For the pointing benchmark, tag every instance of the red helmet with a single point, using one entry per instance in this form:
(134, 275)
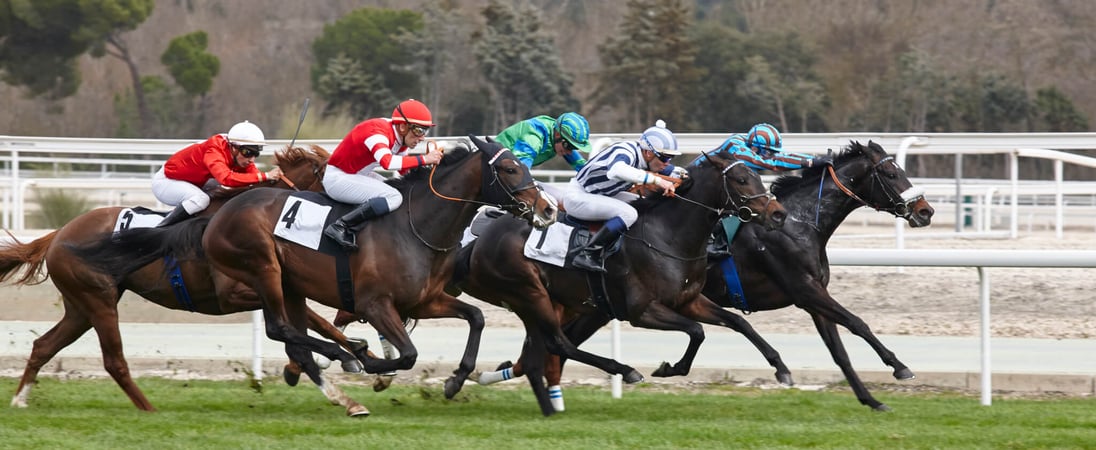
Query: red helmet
(413, 111)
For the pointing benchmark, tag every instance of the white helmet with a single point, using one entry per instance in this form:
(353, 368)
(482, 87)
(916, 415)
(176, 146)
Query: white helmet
(246, 133)
(659, 139)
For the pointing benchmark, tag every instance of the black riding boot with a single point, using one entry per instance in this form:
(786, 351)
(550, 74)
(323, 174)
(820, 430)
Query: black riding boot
(176, 215)
(342, 230)
(592, 256)
(718, 246)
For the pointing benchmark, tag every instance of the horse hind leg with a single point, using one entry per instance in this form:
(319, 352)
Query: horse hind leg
(338, 397)
(63, 334)
(114, 360)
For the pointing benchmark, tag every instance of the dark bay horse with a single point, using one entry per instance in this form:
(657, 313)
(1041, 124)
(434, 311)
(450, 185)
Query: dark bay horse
(789, 266)
(400, 271)
(654, 280)
(90, 297)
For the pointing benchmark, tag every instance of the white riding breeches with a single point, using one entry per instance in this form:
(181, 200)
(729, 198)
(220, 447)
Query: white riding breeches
(177, 192)
(587, 206)
(358, 188)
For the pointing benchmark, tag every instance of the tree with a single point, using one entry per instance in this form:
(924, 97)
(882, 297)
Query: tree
(650, 68)
(40, 41)
(193, 69)
(521, 64)
(365, 41)
(1056, 112)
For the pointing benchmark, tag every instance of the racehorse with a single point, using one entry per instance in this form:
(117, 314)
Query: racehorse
(653, 281)
(399, 272)
(789, 266)
(90, 297)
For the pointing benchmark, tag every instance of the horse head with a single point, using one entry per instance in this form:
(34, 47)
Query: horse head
(869, 175)
(743, 193)
(302, 169)
(508, 184)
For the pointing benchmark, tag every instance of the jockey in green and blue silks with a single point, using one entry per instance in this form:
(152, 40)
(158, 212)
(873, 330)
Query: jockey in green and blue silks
(535, 141)
(762, 149)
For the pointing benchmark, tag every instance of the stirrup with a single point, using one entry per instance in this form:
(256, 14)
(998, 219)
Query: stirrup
(586, 262)
(342, 236)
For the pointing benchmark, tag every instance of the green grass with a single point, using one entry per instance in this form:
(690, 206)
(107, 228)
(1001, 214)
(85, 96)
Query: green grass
(89, 414)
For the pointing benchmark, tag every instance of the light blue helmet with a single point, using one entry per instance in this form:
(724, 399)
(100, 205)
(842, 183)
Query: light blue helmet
(575, 129)
(659, 139)
(765, 137)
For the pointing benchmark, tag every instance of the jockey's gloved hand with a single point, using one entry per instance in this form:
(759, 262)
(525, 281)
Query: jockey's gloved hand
(821, 161)
(679, 172)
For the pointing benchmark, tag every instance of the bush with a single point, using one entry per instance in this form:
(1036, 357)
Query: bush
(59, 206)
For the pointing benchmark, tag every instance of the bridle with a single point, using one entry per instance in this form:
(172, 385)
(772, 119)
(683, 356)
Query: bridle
(490, 178)
(737, 205)
(317, 172)
(901, 203)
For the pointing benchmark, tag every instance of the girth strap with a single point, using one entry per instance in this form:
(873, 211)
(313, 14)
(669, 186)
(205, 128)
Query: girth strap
(344, 281)
(178, 286)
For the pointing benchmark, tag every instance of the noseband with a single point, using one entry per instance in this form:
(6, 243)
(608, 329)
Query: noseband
(899, 206)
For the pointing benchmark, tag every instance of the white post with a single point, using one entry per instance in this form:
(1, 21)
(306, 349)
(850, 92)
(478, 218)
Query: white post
(1014, 175)
(257, 335)
(987, 372)
(1058, 203)
(617, 379)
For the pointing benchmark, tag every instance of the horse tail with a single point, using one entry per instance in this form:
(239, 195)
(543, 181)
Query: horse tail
(122, 253)
(31, 258)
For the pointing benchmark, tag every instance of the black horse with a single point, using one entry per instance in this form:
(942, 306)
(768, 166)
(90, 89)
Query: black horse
(400, 271)
(789, 266)
(653, 281)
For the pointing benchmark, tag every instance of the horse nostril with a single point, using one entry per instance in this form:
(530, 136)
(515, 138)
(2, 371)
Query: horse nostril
(779, 216)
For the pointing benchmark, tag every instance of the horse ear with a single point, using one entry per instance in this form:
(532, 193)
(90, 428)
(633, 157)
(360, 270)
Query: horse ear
(479, 143)
(489, 147)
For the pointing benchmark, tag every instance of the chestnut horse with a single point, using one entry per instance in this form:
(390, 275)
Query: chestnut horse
(90, 297)
(400, 271)
(654, 280)
(789, 267)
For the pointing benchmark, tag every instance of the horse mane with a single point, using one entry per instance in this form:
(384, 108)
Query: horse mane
(420, 173)
(787, 183)
(290, 157)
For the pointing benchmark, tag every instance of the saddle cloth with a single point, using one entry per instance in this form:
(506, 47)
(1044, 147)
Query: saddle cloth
(137, 217)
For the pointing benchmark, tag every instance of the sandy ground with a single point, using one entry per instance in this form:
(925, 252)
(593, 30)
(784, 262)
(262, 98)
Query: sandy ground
(1038, 303)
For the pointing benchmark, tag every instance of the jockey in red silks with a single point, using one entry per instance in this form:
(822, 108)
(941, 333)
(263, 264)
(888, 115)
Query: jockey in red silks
(379, 142)
(229, 159)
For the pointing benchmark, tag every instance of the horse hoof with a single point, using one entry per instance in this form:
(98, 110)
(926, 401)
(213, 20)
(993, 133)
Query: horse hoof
(665, 370)
(353, 366)
(452, 387)
(903, 374)
(357, 411)
(291, 377)
(633, 377)
(784, 379)
(504, 365)
(882, 408)
(381, 383)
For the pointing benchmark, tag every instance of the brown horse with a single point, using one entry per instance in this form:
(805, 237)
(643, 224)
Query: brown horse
(90, 297)
(789, 267)
(654, 281)
(400, 271)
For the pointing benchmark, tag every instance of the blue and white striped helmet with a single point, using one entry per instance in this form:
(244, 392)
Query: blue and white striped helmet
(659, 139)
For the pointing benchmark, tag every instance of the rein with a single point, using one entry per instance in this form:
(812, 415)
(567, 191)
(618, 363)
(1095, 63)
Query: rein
(899, 208)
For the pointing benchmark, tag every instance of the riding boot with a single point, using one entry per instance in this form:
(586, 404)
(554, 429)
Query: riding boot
(718, 247)
(343, 230)
(176, 215)
(592, 255)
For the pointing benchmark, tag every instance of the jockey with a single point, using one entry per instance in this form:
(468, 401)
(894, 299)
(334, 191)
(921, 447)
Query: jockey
(379, 142)
(227, 158)
(535, 141)
(762, 149)
(600, 190)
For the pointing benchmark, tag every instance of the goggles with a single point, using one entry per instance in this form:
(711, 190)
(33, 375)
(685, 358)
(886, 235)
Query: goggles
(250, 151)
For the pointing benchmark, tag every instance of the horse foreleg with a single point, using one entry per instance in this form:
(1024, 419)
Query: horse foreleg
(659, 317)
(835, 313)
(533, 352)
(828, 331)
(64, 333)
(705, 311)
(441, 306)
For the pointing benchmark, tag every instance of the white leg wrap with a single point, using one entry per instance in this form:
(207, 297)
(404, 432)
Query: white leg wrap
(496, 376)
(555, 394)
